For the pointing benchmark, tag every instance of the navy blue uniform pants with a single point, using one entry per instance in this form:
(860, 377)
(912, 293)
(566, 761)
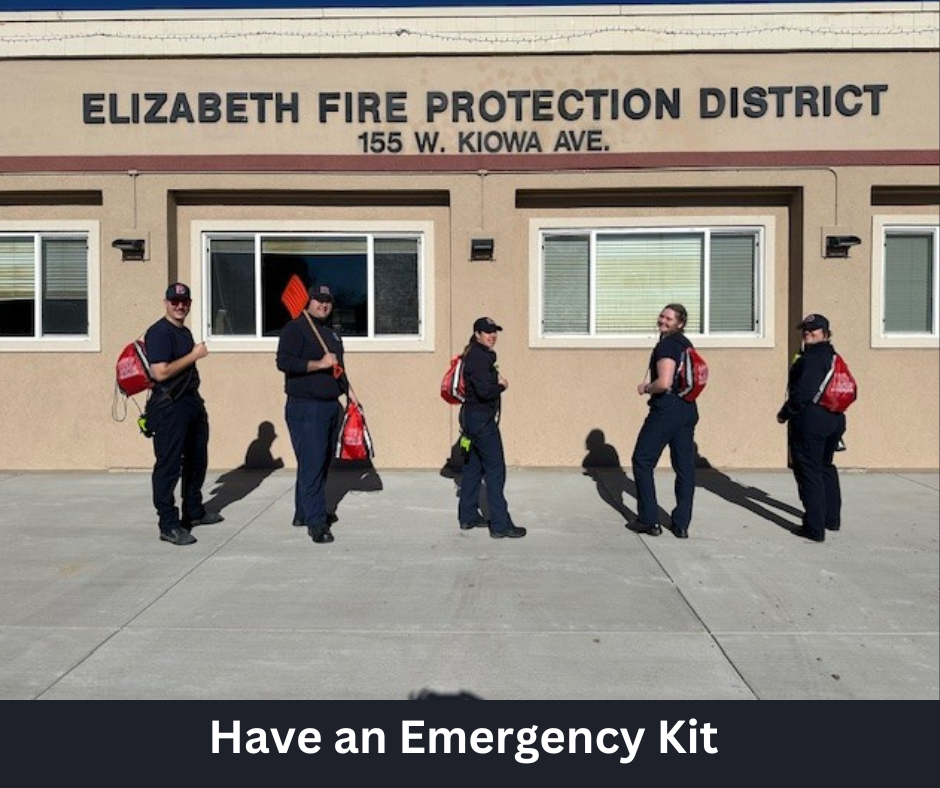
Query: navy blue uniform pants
(814, 434)
(313, 425)
(487, 464)
(671, 422)
(181, 448)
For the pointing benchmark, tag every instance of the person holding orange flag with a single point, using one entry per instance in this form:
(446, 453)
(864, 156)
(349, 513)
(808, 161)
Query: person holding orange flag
(310, 354)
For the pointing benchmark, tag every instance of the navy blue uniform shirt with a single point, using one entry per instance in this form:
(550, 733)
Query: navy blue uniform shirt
(296, 347)
(670, 346)
(165, 343)
(481, 377)
(806, 376)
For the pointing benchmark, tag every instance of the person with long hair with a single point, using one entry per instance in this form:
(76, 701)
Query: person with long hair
(814, 433)
(670, 422)
(479, 421)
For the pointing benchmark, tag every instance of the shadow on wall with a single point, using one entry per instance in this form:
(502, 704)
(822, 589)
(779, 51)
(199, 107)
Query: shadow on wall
(602, 464)
(259, 457)
(240, 482)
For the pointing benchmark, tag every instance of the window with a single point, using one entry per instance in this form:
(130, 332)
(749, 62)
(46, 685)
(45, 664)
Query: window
(45, 289)
(906, 314)
(910, 282)
(613, 282)
(377, 278)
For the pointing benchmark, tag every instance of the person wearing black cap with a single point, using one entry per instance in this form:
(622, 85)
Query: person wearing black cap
(310, 354)
(479, 421)
(813, 433)
(176, 415)
(670, 422)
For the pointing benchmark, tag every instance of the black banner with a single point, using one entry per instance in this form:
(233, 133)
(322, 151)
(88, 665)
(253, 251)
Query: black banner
(453, 740)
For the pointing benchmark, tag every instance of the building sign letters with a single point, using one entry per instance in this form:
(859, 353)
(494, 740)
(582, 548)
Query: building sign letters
(491, 121)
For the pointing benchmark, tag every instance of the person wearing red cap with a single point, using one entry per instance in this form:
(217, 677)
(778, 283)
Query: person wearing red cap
(479, 421)
(176, 415)
(813, 433)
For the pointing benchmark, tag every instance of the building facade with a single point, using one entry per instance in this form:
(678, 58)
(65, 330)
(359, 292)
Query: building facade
(565, 171)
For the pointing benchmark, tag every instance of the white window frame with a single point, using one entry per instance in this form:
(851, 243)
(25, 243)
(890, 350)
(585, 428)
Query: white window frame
(764, 225)
(59, 343)
(202, 230)
(881, 226)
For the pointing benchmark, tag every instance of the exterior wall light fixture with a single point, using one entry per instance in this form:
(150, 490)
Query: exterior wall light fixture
(131, 248)
(839, 245)
(481, 249)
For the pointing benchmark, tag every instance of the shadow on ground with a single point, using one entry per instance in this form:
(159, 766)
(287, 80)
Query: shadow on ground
(753, 499)
(602, 465)
(240, 482)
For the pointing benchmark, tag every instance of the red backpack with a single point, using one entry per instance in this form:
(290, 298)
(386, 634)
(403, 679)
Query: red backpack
(133, 369)
(452, 385)
(692, 374)
(838, 389)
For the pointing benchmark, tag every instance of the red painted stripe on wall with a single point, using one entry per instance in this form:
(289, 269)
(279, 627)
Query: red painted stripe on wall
(470, 162)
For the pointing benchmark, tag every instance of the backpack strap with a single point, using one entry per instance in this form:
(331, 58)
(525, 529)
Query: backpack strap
(825, 381)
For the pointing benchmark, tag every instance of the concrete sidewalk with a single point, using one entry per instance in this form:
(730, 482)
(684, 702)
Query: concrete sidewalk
(95, 606)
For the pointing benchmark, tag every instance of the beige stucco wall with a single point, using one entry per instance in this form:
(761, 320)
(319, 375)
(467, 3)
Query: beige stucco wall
(556, 396)
(55, 407)
(604, 27)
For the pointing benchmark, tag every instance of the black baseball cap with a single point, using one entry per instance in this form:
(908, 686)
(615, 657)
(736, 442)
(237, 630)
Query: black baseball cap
(812, 322)
(320, 293)
(486, 324)
(178, 292)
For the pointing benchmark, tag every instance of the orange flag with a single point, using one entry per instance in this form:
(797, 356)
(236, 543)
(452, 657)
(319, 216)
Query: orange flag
(295, 296)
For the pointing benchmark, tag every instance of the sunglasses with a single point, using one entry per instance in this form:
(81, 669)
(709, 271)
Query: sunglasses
(178, 302)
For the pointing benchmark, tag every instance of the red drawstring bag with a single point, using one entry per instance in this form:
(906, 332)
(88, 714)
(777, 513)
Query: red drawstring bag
(453, 387)
(133, 369)
(354, 441)
(693, 374)
(838, 389)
